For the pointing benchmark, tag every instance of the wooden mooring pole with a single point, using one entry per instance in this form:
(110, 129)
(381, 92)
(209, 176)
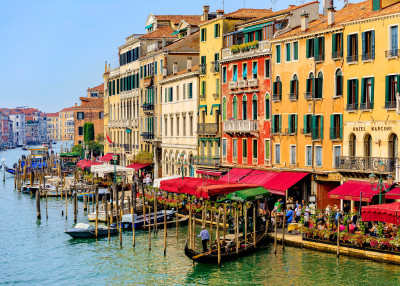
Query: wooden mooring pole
(38, 215)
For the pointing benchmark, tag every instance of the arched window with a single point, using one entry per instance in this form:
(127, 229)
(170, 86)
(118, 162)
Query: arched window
(319, 85)
(234, 107)
(367, 146)
(352, 145)
(224, 108)
(393, 146)
(267, 106)
(338, 83)
(244, 107)
(294, 88)
(310, 86)
(255, 106)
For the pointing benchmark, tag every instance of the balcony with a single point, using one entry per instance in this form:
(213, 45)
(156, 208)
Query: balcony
(335, 133)
(206, 161)
(215, 67)
(337, 55)
(319, 58)
(365, 164)
(309, 95)
(133, 123)
(148, 107)
(368, 56)
(233, 84)
(390, 105)
(202, 96)
(126, 147)
(366, 106)
(207, 129)
(276, 97)
(240, 126)
(237, 52)
(216, 95)
(148, 135)
(253, 82)
(352, 59)
(241, 84)
(293, 96)
(394, 53)
(202, 68)
(352, 106)
(305, 131)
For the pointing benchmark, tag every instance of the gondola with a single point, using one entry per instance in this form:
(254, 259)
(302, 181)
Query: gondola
(212, 257)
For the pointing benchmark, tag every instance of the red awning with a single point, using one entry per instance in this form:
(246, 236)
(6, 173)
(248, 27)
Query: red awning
(235, 175)
(137, 166)
(389, 213)
(393, 194)
(86, 163)
(283, 181)
(106, 158)
(222, 189)
(259, 178)
(209, 173)
(351, 190)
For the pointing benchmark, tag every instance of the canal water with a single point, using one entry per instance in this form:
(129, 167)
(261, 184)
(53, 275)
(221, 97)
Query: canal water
(37, 252)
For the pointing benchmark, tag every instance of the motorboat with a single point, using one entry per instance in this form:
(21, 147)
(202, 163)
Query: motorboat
(84, 230)
(50, 190)
(25, 147)
(139, 220)
(27, 188)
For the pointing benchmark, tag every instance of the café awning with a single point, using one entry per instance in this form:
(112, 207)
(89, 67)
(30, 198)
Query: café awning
(209, 173)
(222, 189)
(235, 175)
(137, 166)
(107, 157)
(258, 177)
(247, 195)
(351, 190)
(158, 181)
(389, 213)
(283, 181)
(187, 185)
(393, 194)
(85, 163)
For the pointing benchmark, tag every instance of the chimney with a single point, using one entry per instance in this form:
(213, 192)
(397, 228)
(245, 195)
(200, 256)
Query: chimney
(331, 14)
(206, 9)
(164, 42)
(175, 68)
(189, 30)
(326, 5)
(304, 21)
(220, 13)
(189, 64)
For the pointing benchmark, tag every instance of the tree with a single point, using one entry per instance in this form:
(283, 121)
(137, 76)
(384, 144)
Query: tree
(78, 149)
(88, 132)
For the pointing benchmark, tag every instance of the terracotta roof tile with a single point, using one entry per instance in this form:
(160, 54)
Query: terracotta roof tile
(160, 33)
(193, 69)
(175, 19)
(246, 13)
(55, 114)
(99, 88)
(68, 109)
(91, 103)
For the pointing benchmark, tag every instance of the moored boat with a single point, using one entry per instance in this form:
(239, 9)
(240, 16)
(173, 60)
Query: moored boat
(126, 222)
(84, 230)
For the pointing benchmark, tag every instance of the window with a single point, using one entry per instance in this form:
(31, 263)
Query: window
(177, 126)
(235, 71)
(190, 90)
(352, 48)
(244, 148)
(367, 145)
(234, 107)
(177, 92)
(317, 132)
(278, 54)
(294, 88)
(170, 94)
(307, 124)
(191, 125)
(296, 51)
(276, 123)
(337, 45)
(255, 148)
(352, 94)
(203, 34)
(244, 107)
(224, 108)
(288, 52)
(80, 130)
(392, 88)
(319, 49)
(308, 155)
(318, 156)
(336, 126)
(292, 123)
(224, 74)
(267, 106)
(203, 88)
(368, 45)
(277, 153)
(255, 106)
(319, 85)
(217, 87)
(292, 154)
(184, 91)
(101, 114)
(309, 48)
(367, 93)
(234, 148)
(393, 42)
(80, 115)
(267, 66)
(216, 30)
(277, 89)
(255, 70)
(244, 71)
(338, 83)
(267, 151)
(224, 147)
(393, 146)
(268, 31)
(172, 126)
(161, 66)
(337, 152)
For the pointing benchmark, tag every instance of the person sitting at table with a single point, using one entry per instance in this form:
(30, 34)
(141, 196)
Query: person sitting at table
(373, 231)
(289, 215)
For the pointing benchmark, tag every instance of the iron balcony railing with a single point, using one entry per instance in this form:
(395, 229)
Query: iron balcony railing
(148, 135)
(203, 68)
(392, 53)
(240, 126)
(207, 128)
(206, 161)
(337, 55)
(351, 106)
(335, 133)
(148, 107)
(277, 97)
(293, 96)
(366, 105)
(127, 147)
(352, 59)
(309, 95)
(319, 58)
(368, 56)
(390, 104)
(368, 164)
(215, 67)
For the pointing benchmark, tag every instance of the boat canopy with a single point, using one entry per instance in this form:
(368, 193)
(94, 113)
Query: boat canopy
(72, 154)
(247, 195)
(82, 225)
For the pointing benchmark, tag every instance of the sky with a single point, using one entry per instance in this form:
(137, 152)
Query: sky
(52, 51)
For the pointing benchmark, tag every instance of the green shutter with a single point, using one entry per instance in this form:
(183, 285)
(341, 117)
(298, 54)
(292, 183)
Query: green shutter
(320, 86)
(348, 91)
(308, 48)
(305, 124)
(363, 99)
(387, 88)
(289, 123)
(341, 125)
(316, 46)
(313, 126)
(296, 51)
(341, 44)
(398, 83)
(322, 127)
(246, 37)
(323, 47)
(295, 123)
(278, 54)
(308, 85)
(280, 124)
(274, 87)
(356, 95)
(332, 131)
(273, 124)
(291, 87)
(280, 89)
(334, 43)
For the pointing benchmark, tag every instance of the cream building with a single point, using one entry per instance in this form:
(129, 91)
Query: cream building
(66, 123)
(179, 119)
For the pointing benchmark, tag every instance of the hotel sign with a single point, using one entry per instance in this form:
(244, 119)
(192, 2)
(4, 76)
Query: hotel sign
(372, 128)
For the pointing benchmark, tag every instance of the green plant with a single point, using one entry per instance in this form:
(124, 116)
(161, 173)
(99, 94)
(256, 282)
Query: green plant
(380, 229)
(143, 157)
(88, 132)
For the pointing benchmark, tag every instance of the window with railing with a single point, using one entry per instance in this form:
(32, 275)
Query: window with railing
(352, 94)
(367, 93)
(317, 129)
(368, 45)
(294, 88)
(393, 42)
(338, 83)
(352, 48)
(391, 90)
(277, 90)
(336, 126)
(310, 82)
(307, 124)
(292, 124)
(319, 49)
(276, 123)
(337, 45)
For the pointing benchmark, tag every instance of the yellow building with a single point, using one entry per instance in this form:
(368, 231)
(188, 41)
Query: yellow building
(371, 84)
(211, 45)
(66, 123)
(52, 126)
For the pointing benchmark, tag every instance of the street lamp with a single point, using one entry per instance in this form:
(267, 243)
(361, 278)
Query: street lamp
(380, 184)
(181, 158)
(115, 157)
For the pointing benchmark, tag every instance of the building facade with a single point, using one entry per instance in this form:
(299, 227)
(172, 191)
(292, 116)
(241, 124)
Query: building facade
(53, 126)
(18, 127)
(66, 123)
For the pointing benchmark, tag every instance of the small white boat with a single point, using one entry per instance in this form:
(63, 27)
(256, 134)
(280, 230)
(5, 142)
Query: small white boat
(25, 147)
(84, 230)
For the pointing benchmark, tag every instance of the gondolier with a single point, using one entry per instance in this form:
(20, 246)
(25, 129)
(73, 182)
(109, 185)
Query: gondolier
(205, 237)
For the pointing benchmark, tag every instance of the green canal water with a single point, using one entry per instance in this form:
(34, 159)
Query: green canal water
(37, 252)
